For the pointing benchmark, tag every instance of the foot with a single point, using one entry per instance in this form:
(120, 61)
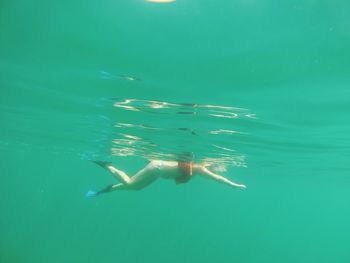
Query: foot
(103, 164)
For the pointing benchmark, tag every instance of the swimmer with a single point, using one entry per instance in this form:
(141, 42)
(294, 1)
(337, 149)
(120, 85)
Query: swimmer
(181, 171)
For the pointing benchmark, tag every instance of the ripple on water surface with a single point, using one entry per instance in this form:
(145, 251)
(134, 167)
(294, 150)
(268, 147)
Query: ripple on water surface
(158, 129)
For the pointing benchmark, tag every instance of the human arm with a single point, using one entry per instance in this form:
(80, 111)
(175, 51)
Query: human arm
(203, 171)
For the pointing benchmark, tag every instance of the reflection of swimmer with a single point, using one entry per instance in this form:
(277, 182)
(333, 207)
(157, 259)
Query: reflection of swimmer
(181, 171)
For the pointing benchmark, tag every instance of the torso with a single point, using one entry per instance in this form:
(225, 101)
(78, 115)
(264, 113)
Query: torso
(167, 169)
(180, 171)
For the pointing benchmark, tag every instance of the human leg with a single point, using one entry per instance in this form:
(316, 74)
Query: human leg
(141, 179)
(107, 189)
(118, 174)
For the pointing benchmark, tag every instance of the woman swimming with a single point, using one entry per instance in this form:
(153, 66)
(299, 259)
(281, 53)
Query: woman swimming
(181, 171)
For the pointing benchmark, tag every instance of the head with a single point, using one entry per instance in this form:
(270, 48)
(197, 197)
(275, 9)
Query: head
(186, 157)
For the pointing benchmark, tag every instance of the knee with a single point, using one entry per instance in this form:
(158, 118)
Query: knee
(127, 181)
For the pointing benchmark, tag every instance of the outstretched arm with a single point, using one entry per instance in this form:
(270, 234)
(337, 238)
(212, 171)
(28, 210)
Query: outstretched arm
(207, 173)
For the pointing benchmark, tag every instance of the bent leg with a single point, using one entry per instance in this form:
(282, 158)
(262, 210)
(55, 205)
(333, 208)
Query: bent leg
(136, 185)
(140, 180)
(113, 187)
(107, 189)
(118, 174)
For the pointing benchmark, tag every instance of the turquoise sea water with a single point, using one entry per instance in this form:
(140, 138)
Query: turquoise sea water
(260, 89)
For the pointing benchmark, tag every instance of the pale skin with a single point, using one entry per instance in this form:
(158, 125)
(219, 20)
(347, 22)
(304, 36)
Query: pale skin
(154, 170)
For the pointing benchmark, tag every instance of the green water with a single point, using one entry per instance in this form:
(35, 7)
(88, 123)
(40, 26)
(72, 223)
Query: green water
(281, 68)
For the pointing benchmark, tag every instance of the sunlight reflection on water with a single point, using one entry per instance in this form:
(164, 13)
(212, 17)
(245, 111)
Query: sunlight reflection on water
(163, 130)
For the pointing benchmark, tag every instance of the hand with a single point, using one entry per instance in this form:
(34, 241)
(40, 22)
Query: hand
(239, 186)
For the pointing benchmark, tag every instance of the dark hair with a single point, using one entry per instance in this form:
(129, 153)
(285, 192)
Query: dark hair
(185, 157)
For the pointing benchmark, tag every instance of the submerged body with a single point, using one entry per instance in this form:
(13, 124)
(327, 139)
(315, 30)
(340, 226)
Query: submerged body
(180, 171)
